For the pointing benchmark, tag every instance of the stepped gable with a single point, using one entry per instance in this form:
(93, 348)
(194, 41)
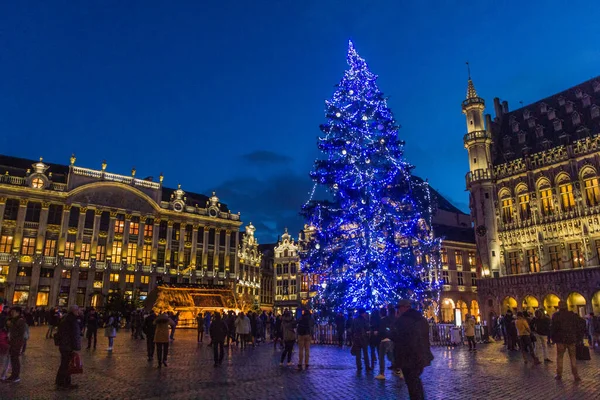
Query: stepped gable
(553, 121)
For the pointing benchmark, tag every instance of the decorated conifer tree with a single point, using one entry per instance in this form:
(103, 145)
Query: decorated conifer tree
(370, 242)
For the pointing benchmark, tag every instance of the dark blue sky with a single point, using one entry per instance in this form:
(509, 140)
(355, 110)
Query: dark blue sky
(228, 95)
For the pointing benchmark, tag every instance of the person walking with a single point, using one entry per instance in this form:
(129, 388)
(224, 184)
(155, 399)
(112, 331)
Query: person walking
(470, 332)
(242, 327)
(340, 323)
(412, 352)
(564, 332)
(511, 331)
(360, 338)
(218, 333)
(288, 326)
(278, 333)
(207, 322)
(524, 334)
(230, 328)
(69, 338)
(16, 334)
(304, 330)
(110, 329)
(175, 319)
(374, 339)
(540, 326)
(161, 337)
(386, 346)
(4, 345)
(200, 327)
(91, 323)
(149, 329)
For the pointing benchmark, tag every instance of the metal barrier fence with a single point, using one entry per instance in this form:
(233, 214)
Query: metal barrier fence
(439, 334)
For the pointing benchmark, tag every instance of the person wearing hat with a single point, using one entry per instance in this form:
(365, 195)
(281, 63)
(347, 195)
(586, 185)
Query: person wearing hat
(412, 352)
(564, 332)
(360, 339)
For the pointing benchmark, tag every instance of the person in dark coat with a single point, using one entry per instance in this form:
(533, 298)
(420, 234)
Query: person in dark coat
(16, 333)
(565, 330)
(360, 338)
(218, 333)
(148, 328)
(412, 352)
(91, 323)
(340, 324)
(69, 337)
(511, 331)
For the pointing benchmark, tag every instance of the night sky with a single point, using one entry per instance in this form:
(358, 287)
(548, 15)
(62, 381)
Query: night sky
(229, 95)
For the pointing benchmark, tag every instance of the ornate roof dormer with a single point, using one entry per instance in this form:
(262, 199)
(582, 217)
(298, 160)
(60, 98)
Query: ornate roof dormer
(178, 203)
(248, 250)
(38, 179)
(213, 205)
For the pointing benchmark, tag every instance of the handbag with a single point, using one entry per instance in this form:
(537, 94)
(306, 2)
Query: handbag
(75, 364)
(582, 352)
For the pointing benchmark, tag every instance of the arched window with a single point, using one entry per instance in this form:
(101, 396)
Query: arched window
(592, 191)
(507, 207)
(546, 201)
(565, 189)
(523, 198)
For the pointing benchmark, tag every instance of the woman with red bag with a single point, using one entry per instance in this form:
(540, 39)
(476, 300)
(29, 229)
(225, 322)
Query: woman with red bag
(69, 342)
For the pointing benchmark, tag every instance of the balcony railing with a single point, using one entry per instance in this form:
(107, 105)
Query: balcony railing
(477, 135)
(68, 262)
(100, 265)
(48, 260)
(30, 225)
(478, 175)
(4, 257)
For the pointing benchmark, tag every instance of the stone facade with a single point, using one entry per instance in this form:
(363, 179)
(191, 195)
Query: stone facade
(72, 235)
(535, 199)
(249, 277)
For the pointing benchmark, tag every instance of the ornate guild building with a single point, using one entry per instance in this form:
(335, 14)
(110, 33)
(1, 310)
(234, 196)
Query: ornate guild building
(249, 277)
(73, 235)
(535, 200)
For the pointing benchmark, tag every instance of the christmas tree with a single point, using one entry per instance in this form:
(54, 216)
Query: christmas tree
(370, 242)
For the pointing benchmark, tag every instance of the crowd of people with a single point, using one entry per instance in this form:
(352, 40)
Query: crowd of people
(533, 335)
(398, 333)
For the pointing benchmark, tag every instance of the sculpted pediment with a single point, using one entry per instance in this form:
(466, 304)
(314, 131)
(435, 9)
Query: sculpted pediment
(112, 197)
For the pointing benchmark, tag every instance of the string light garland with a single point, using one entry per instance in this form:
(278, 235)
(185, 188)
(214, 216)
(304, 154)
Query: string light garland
(372, 242)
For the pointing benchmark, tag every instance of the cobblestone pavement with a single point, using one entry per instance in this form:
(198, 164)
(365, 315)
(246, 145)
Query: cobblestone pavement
(255, 374)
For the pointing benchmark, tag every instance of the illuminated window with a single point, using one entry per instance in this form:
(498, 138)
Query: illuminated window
(134, 228)
(533, 261)
(42, 299)
(472, 259)
(85, 251)
(147, 254)
(524, 209)
(129, 278)
(507, 211)
(6, 244)
(101, 252)
(566, 197)
(28, 246)
(69, 249)
(114, 277)
(37, 183)
(546, 201)
(577, 260)
(131, 253)
(50, 248)
(148, 229)
(120, 224)
(117, 250)
(459, 258)
(592, 192)
(304, 283)
(445, 277)
(444, 256)
(513, 263)
(293, 286)
(279, 290)
(144, 279)
(554, 253)
(66, 274)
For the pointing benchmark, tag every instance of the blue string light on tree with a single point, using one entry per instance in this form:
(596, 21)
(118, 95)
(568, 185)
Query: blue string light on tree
(371, 243)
